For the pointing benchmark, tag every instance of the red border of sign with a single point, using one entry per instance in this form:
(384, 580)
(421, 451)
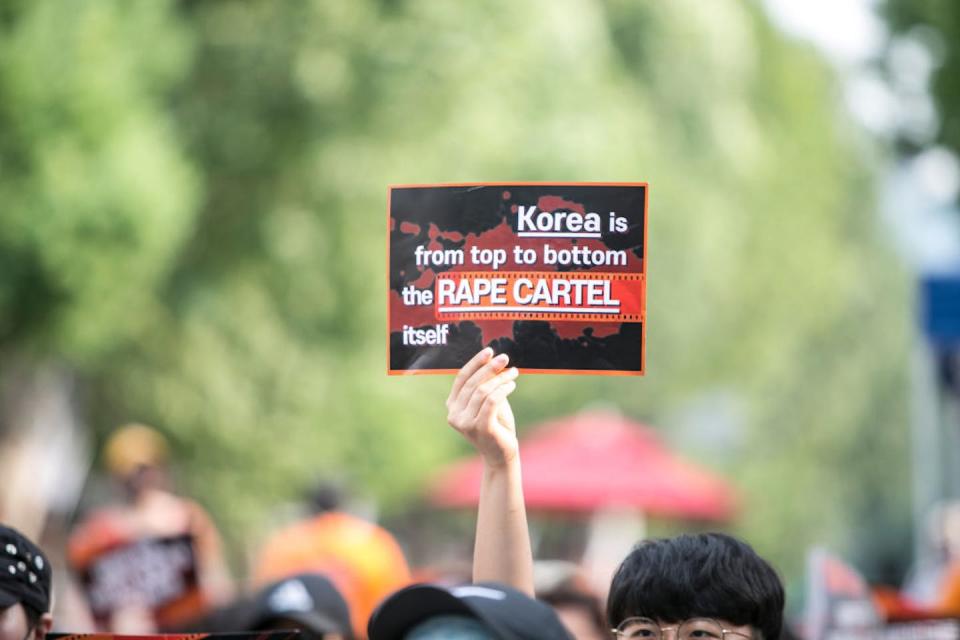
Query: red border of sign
(592, 372)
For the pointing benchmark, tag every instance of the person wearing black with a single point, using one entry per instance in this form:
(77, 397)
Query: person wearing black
(24, 588)
(307, 602)
(484, 611)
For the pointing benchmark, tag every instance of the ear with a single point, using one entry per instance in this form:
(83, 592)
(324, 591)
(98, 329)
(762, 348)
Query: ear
(43, 626)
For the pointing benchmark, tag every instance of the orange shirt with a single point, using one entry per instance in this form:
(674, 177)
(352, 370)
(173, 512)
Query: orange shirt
(362, 559)
(949, 603)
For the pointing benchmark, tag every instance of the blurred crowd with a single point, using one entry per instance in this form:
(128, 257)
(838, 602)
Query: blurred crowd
(153, 562)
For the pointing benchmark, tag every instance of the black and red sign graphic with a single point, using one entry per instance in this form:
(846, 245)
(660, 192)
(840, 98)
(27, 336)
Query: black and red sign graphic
(551, 274)
(152, 573)
(284, 634)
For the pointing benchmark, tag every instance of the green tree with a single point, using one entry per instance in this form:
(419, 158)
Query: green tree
(96, 199)
(97, 194)
(935, 24)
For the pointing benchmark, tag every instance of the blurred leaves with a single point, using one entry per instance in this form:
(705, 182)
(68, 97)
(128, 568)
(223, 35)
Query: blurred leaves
(97, 194)
(935, 24)
(198, 225)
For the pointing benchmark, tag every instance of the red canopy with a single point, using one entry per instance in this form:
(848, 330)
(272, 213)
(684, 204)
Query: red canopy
(594, 460)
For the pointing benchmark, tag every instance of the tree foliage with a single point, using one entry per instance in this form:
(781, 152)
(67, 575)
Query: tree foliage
(935, 24)
(97, 194)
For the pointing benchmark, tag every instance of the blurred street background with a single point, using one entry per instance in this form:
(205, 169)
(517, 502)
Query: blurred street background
(192, 236)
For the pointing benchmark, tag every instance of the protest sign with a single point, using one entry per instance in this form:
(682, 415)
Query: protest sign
(152, 573)
(553, 275)
(252, 635)
(946, 629)
(839, 602)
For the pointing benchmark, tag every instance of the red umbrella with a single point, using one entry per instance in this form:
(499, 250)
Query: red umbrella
(589, 461)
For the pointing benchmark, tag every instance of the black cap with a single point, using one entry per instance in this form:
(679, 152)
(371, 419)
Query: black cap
(510, 614)
(309, 599)
(24, 573)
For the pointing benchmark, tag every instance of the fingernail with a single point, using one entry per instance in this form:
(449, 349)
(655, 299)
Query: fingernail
(502, 358)
(487, 352)
(513, 372)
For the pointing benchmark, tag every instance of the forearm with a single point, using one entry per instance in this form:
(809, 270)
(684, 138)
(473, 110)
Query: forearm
(502, 552)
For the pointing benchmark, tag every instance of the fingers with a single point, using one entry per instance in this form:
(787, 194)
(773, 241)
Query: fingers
(491, 404)
(481, 375)
(467, 370)
(485, 389)
(481, 371)
(478, 410)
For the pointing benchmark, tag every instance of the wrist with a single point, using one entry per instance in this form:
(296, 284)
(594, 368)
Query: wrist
(502, 465)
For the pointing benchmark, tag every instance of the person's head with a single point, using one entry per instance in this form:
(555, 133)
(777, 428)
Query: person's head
(136, 455)
(563, 586)
(580, 612)
(485, 611)
(325, 496)
(24, 588)
(708, 575)
(307, 602)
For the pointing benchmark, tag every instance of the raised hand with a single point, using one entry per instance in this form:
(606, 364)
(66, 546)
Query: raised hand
(478, 409)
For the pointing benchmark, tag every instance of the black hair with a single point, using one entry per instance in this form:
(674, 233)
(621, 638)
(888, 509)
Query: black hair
(571, 597)
(703, 575)
(32, 615)
(324, 497)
